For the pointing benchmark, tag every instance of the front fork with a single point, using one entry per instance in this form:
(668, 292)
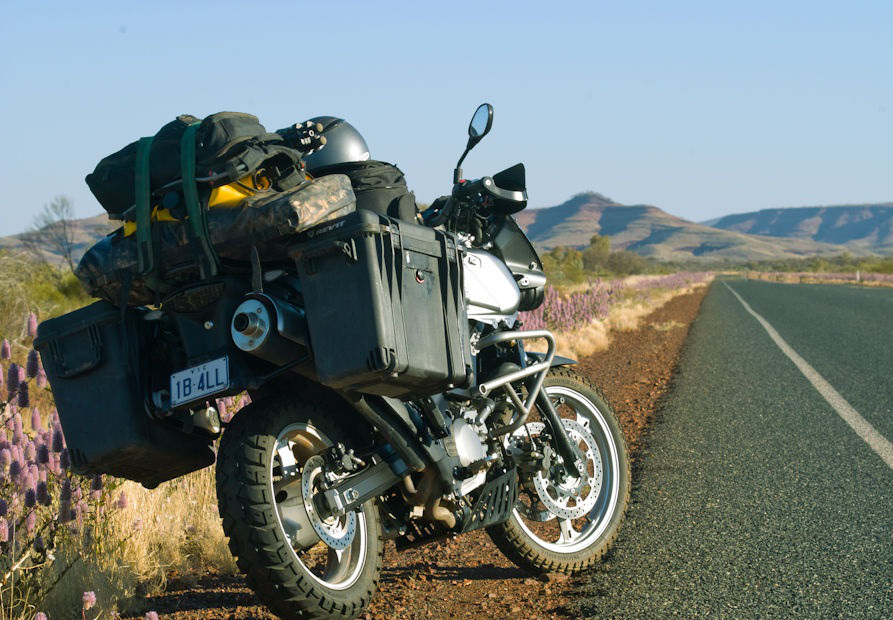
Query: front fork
(573, 461)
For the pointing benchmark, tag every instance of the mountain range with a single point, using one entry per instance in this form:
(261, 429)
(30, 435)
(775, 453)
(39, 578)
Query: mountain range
(651, 232)
(868, 226)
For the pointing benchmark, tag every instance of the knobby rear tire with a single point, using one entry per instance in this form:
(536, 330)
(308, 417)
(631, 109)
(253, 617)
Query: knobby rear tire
(256, 539)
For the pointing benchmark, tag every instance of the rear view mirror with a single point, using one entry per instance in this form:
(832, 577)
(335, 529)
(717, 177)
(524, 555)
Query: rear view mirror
(479, 127)
(481, 122)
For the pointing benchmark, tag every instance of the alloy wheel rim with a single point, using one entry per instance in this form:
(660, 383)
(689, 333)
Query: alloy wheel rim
(334, 568)
(579, 533)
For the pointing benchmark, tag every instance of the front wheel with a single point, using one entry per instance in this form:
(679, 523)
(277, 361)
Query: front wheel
(567, 523)
(300, 565)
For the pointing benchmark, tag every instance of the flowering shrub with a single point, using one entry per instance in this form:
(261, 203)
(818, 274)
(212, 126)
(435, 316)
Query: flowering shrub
(566, 313)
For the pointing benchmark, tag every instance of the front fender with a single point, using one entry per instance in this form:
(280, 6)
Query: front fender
(557, 360)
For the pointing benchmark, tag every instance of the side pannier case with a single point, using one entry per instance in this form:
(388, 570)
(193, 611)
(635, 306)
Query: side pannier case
(95, 361)
(384, 304)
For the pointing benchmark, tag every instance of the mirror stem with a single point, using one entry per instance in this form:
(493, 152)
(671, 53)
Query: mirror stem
(457, 173)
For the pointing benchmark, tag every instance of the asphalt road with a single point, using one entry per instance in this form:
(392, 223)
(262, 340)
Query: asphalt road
(755, 497)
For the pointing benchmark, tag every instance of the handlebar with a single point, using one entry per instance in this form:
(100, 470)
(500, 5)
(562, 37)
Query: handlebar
(486, 185)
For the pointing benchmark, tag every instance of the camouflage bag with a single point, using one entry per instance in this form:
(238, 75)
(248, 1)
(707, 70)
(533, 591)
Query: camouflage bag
(267, 221)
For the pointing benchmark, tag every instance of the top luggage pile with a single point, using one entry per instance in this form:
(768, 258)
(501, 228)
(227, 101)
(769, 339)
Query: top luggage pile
(203, 192)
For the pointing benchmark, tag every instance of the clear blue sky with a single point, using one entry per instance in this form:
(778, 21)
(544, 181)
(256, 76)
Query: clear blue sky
(701, 108)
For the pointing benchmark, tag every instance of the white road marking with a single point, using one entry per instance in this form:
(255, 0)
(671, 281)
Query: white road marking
(882, 447)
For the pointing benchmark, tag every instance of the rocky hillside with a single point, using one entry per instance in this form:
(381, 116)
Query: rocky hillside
(867, 226)
(86, 232)
(651, 232)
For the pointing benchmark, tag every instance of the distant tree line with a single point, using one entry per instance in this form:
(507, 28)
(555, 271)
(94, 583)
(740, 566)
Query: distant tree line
(570, 265)
(845, 262)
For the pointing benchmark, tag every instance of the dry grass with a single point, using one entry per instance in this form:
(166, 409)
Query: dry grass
(129, 552)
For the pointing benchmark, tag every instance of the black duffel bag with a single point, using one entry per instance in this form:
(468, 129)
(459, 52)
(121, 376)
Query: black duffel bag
(229, 146)
(379, 186)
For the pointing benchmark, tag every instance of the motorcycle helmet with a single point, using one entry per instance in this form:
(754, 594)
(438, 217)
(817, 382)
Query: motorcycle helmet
(344, 144)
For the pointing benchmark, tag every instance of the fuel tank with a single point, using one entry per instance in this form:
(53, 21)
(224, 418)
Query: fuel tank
(490, 289)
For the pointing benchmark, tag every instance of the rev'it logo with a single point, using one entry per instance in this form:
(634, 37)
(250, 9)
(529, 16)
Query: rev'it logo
(319, 230)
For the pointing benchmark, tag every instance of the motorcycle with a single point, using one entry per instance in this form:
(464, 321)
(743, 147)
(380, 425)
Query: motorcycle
(315, 476)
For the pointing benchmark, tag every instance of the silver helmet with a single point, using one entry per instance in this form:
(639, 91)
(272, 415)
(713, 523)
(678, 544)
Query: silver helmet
(344, 144)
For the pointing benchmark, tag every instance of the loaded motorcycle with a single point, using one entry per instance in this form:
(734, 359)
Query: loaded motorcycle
(393, 398)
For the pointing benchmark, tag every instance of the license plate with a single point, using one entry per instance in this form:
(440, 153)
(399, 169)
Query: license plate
(199, 381)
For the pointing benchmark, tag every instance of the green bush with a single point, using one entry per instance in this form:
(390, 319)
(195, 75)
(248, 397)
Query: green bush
(27, 286)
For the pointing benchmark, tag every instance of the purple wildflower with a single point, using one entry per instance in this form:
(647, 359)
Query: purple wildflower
(65, 511)
(5, 350)
(15, 469)
(4, 530)
(96, 484)
(32, 365)
(80, 511)
(41, 377)
(4, 507)
(64, 459)
(122, 501)
(5, 458)
(18, 432)
(30, 498)
(58, 441)
(89, 600)
(40, 616)
(43, 494)
(21, 374)
(150, 615)
(31, 523)
(36, 420)
(222, 409)
(43, 454)
(39, 544)
(12, 378)
(65, 491)
(30, 451)
(53, 465)
(32, 325)
(24, 398)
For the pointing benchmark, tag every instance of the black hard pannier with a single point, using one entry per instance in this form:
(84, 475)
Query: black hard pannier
(229, 146)
(379, 186)
(384, 305)
(94, 360)
(265, 221)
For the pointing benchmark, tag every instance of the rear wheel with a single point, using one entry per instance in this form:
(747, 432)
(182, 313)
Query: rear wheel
(300, 564)
(567, 523)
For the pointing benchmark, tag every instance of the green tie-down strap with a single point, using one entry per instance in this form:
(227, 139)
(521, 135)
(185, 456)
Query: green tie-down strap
(209, 263)
(143, 207)
(142, 195)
